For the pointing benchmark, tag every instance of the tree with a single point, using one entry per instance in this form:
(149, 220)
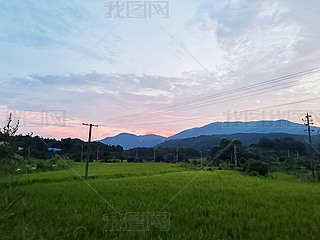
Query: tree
(6, 137)
(253, 166)
(9, 129)
(265, 143)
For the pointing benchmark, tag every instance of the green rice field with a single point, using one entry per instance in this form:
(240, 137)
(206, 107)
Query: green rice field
(157, 201)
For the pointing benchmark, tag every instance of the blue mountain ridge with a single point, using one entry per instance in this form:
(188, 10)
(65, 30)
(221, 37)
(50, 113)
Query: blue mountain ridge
(128, 141)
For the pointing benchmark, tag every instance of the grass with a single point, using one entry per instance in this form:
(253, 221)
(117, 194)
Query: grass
(215, 205)
(101, 170)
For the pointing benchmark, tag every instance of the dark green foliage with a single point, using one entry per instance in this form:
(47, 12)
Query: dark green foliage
(7, 145)
(30, 165)
(168, 155)
(225, 153)
(254, 167)
(135, 160)
(265, 143)
(38, 148)
(282, 144)
(267, 155)
(272, 152)
(7, 141)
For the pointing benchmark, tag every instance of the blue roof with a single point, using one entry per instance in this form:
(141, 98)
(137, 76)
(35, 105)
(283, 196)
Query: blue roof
(54, 149)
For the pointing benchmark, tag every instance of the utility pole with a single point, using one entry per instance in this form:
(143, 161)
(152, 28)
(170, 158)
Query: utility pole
(309, 122)
(81, 153)
(29, 151)
(98, 152)
(297, 155)
(177, 155)
(235, 155)
(90, 130)
(154, 154)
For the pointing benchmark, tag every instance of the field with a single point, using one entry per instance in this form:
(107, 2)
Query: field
(157, 201)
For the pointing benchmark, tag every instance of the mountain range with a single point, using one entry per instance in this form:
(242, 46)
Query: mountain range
(205, 142)
(128, 141)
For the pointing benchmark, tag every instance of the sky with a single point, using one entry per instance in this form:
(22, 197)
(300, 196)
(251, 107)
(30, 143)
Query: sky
(156, 67)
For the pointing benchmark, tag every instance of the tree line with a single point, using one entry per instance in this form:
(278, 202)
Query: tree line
(283, 154)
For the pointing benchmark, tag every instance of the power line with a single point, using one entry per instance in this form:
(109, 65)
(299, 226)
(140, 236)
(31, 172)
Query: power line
(229, 92)
(227, 99)
(216, 115)
(248, 87)
(214, 101)
(200, 102)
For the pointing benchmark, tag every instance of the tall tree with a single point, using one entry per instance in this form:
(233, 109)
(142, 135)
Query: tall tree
(6, 137)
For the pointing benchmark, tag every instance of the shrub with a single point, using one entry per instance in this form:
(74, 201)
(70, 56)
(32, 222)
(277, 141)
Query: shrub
(254, 167)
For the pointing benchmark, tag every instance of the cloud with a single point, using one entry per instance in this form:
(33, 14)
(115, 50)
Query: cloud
(62, 55)
(96, 91)
(261, 39)
(55, 37)
(41, 24)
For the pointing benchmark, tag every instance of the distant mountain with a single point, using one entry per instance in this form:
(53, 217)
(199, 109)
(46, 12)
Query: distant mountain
(128, 141)
(279, 126)
(205, 143)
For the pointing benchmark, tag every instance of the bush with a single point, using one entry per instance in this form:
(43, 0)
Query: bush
(225, 166)
(254, 174)
(29, 165)
(112, 161)
(253, 167)
(194, 162)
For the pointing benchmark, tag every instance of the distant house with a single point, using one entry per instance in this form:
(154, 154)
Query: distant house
(54, 149)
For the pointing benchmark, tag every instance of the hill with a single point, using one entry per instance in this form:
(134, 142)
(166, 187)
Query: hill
(128, 141)
(279, 126)
(205, 143)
